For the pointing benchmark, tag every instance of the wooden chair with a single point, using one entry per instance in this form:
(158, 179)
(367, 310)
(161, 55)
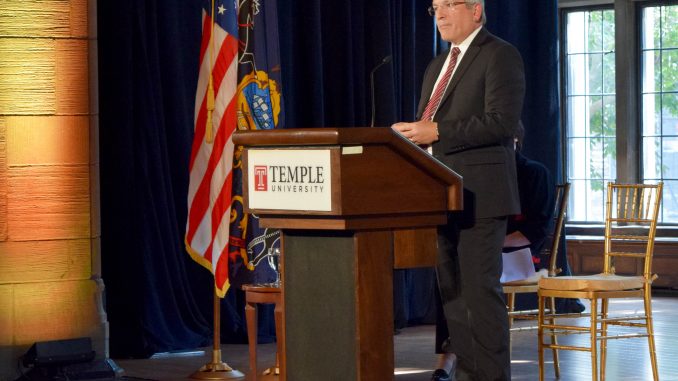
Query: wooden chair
(630, 227)
(550, 251)
(264, 294)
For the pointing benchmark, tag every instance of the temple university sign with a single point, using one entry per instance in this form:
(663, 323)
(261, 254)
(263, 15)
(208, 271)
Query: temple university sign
(289, 179)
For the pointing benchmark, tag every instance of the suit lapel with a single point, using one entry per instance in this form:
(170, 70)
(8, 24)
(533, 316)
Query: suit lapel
(427, 85)
(465, 63)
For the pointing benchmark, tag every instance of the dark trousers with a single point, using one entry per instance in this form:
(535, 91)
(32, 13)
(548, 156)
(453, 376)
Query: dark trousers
(469, 268)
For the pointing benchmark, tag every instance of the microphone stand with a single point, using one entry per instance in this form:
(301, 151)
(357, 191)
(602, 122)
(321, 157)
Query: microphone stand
(383, 62)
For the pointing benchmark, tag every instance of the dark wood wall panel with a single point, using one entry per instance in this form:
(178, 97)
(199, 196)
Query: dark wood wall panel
(586, 257)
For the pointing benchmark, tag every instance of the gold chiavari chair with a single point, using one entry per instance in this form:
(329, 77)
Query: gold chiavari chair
(630, 227)
(550, 251)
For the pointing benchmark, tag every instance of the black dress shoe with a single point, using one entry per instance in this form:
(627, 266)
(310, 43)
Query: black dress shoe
(440, 375)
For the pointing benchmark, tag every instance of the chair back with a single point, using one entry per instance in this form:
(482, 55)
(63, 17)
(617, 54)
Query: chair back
(631, 214)
(552, 245)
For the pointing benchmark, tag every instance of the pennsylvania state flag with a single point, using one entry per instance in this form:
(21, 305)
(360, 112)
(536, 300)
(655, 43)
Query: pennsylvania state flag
(259, 107)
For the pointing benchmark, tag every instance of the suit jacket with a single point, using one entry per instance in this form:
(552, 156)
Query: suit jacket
(477, 120)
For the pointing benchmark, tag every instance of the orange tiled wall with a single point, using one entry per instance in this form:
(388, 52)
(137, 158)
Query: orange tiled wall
(49, 222)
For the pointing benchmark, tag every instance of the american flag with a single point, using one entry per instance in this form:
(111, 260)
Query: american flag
(211, 164)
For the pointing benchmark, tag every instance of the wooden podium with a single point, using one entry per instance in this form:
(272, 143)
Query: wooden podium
(352, 203)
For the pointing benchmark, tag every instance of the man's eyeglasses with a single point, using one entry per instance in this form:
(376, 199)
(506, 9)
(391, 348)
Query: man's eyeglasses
(444, 6)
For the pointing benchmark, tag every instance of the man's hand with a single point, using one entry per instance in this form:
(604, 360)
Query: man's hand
(423, 132)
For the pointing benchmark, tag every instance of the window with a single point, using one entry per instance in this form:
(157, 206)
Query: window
(620, 100)
(590, 117)
(659, 102)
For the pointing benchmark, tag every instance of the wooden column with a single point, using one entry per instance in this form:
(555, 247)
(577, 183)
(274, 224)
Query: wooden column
(50, 275)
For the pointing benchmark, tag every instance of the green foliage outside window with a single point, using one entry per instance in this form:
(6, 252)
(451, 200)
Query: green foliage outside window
(603, 120)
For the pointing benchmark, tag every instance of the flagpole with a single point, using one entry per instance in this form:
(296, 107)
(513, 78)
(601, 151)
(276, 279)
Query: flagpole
(217, 369)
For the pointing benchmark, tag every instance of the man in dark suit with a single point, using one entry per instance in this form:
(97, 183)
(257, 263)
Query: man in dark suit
(470, 107)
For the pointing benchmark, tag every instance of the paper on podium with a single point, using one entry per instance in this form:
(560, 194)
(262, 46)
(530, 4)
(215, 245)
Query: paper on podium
(517, 265)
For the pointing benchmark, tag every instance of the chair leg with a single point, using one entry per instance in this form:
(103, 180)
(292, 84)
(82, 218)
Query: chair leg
(554, 340)
(251, 317)
(650, 332)
(540, 336)
(511, 304)
(280, 357)
(605, 303)
(594, 333)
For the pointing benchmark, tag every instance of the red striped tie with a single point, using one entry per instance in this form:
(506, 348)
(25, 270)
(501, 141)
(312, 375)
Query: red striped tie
(434, 102)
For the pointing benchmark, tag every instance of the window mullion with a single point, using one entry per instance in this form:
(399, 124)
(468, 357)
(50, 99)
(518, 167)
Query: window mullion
(627, 100)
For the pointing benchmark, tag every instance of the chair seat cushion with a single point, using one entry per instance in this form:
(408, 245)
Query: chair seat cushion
(598, 282)
(529, 281)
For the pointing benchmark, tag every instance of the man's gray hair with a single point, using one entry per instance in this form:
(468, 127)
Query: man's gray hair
(483, 18)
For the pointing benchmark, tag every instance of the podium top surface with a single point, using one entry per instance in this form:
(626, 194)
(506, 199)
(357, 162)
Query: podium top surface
(316, 136)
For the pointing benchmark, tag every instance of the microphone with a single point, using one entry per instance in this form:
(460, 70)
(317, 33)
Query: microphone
(383, 62)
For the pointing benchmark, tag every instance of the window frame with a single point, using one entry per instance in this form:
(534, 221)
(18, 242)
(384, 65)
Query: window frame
(628, 14)
(562, 49)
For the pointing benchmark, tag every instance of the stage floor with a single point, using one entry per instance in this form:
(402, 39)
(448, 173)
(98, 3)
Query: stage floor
(414, 359)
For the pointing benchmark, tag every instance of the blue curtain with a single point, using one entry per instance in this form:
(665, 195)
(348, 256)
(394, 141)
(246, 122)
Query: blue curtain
(157, 298)
(532, 26)
(328, 50)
